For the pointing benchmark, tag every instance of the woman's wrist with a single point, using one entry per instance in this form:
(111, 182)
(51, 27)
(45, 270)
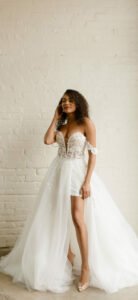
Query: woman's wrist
(87, 180)
(55, 119)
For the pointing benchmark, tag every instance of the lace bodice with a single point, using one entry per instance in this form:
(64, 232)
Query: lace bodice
(75, 147)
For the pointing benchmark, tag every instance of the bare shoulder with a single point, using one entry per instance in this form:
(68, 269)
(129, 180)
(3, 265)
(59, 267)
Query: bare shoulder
(89, 124)
(90, 131)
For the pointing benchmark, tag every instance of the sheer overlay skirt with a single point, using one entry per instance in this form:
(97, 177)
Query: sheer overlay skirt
(39, 256)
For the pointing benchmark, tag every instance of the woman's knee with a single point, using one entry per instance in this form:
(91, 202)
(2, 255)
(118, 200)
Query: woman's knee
(78, 218)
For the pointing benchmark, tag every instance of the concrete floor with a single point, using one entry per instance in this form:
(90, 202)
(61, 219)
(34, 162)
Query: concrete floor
(12, 291)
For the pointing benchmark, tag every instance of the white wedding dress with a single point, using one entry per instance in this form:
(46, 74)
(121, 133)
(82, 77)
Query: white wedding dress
(39, 257)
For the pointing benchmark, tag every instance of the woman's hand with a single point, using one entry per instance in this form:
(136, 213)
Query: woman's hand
(57, 115)
(85, 190)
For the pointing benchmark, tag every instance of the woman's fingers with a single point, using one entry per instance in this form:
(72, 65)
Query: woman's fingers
(85, 192)
(82, 193)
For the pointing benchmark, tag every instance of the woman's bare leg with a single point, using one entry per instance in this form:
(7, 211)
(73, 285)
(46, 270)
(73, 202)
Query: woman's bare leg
(70, 251)
(70, 254)
(77, 209)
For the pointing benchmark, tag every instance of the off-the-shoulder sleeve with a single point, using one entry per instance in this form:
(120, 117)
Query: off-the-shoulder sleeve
(90, 147)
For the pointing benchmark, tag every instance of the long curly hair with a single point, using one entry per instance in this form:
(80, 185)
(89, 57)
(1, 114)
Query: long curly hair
(82, 108)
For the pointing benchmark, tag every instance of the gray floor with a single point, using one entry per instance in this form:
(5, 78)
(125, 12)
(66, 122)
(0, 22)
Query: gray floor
(11, 291)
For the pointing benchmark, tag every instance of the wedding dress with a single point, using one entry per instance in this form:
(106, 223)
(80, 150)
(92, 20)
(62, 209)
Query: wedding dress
(39, 260)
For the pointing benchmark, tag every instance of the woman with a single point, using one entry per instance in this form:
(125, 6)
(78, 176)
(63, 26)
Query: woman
(75, 227)
(76, 113)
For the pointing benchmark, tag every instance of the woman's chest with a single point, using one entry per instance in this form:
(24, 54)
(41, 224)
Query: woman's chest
(75, 145)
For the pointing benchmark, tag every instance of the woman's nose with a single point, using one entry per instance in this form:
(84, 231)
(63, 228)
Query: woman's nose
(66, 102)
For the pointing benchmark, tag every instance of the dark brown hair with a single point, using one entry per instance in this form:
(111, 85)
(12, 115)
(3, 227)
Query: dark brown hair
(82, 108)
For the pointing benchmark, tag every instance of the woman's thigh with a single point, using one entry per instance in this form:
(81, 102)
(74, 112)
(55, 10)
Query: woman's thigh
(77, 209)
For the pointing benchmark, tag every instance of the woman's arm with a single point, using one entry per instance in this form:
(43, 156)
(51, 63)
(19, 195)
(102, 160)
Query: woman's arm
(50, 135)
(90, 131)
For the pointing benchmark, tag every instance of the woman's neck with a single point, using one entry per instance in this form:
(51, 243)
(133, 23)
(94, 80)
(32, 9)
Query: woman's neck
(70, 118)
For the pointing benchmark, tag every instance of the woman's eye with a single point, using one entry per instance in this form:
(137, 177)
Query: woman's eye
(64, 100)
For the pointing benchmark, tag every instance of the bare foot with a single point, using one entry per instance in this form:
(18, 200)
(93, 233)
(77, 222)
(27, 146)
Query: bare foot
(71, 257)
(85, 272)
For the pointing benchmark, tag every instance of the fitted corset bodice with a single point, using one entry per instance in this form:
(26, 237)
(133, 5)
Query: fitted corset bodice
(76, 145)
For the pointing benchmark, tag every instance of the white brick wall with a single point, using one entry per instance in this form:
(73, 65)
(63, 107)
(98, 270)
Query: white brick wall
(47, 47)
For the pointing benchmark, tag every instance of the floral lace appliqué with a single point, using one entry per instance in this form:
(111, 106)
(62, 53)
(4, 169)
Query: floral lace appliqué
(93, 149)
(75, 146)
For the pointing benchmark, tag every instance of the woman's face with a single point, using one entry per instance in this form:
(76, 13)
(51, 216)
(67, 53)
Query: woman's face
(68, 105)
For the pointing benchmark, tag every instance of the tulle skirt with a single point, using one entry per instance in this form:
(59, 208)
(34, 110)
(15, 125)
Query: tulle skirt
(39, 257)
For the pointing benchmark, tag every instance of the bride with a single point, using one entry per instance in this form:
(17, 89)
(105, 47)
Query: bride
(75, 227)
(77, 122)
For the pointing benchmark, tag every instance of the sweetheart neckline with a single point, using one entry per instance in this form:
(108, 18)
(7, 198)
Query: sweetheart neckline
(71, 135)
(66, 145)
(88, 143)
